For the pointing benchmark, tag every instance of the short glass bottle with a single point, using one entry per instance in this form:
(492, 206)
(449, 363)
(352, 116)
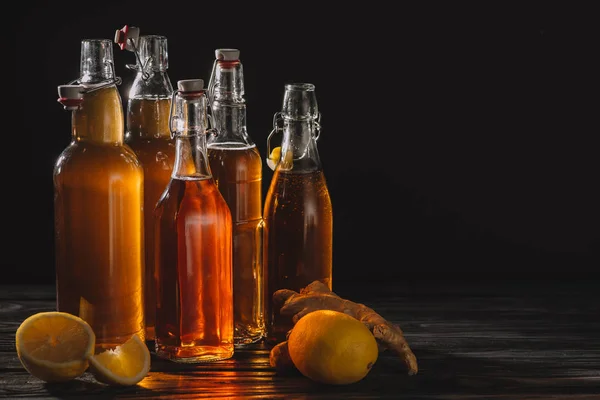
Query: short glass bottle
(193, 239)
(298, 211)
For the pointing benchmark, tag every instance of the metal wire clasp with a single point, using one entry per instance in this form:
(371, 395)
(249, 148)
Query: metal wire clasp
(277, 119)
(74, 103)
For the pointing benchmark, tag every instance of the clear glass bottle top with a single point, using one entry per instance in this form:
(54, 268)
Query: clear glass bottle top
(151, 80)
(227, 103)
(188, 126)
(301, 129)
(97, 61)
(154, 54)
(227, 79)
(300, 102)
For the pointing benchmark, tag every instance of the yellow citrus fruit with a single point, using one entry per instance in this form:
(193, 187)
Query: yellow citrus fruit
(273, 158)
(124, 365)
(332, 347)
(54, 346)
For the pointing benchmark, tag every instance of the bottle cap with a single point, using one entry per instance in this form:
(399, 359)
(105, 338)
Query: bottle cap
(127, 37)
(227, 54)
(70, 96)
(190, 85)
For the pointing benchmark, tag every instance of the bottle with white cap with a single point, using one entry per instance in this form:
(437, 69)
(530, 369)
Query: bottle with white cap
(98, 186)
(236, 166)
(147, 133)
(193, 243)
(298, 212)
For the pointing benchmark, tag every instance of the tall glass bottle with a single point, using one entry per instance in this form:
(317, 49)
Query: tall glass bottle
(193, 239)
(236, 166)
(148, 108)
(98, 196)
(298, 213)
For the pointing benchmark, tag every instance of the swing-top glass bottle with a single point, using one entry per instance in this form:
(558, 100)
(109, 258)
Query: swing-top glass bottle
(298, 211)
(193, 239)
(98, 197)
(148, 135)
(236, 166)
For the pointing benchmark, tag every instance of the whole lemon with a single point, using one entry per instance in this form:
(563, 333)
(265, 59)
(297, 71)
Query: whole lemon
(332, 347)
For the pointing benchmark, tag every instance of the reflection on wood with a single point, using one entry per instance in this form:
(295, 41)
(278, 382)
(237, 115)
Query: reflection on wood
(497, 343)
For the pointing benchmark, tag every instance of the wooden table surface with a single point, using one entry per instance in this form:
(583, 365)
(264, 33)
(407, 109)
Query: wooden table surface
(501, 341)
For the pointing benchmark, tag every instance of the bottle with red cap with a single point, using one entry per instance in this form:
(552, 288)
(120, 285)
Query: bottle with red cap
(147, 133)
(236, 166)
(98, 200)
(193, 240)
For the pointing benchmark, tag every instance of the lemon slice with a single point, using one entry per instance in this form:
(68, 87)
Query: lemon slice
(124, 365)
(54, 346)
(274, 157)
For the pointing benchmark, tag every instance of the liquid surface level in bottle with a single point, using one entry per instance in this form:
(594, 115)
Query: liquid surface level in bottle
(194, 320)
(99, 228)
(237, 170)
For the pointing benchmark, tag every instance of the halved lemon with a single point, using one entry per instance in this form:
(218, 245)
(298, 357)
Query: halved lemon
(124, 365)
(54, 346)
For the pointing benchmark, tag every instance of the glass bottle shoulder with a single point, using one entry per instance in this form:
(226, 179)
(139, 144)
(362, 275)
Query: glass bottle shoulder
(82, 157)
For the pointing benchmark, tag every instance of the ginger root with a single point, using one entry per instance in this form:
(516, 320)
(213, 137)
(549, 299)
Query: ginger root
(317, 296)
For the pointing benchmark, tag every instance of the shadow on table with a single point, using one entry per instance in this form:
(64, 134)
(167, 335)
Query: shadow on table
(86, 387)
(444, 375)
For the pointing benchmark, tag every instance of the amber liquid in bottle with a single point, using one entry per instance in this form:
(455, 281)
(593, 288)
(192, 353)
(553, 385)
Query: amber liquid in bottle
(237, 172)
(99, 224)
(299, 238)
(195, 291)
(149, 137)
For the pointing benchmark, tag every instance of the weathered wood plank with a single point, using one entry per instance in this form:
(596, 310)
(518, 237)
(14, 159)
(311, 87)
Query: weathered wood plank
(525, 344)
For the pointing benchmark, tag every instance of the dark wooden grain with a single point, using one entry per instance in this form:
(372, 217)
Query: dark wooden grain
(509, 341)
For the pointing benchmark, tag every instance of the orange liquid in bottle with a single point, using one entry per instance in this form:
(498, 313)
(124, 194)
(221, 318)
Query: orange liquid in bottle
(149, 137)
(298, 230)
(99, 224)
(238, 174)
(194, 318)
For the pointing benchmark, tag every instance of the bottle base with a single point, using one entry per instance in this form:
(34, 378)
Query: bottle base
(194, 355)
(245, 336)
(247, 341)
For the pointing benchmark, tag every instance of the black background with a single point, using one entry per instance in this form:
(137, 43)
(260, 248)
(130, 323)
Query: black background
(458, 138)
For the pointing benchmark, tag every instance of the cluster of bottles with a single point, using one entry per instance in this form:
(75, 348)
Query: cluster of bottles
(160, 226)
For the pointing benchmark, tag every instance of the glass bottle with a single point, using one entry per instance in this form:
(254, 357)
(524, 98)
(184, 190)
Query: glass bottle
(298, 212)
(148, 135)
(236, 166)
(193, 239)
(98, 195)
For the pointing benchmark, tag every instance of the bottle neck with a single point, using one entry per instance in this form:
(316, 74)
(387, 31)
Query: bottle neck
(299, 150)
(100, 117)
(189, 126)
(149, 106)
(229, 122)
(191, 159)
(228, 106)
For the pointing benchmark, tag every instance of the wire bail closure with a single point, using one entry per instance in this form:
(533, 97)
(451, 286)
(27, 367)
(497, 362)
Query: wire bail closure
(278, 120)
(126, 38)
(70, 95)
